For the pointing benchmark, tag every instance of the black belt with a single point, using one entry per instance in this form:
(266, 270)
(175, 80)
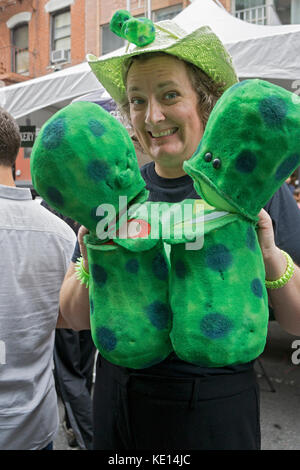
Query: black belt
(182, 388)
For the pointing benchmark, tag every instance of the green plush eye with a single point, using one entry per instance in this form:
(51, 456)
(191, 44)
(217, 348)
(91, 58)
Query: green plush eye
(118, 20)
(216, 163)
(208, 157)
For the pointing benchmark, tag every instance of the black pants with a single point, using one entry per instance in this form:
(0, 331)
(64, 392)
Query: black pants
(144, 412)
(74, 354)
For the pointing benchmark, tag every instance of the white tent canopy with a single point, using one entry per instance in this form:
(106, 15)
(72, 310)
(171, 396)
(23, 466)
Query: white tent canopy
(270, 52)
(51, 92)
(227, 27)
(42, 92)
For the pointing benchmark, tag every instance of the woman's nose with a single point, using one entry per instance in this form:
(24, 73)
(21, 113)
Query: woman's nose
(154, 112)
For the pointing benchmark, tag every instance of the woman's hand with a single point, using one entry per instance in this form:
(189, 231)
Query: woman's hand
(285, 300)
(81, 233)
(266, 234)
(275, 261)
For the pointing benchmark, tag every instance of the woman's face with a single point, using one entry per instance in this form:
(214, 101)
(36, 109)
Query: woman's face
(164, 112)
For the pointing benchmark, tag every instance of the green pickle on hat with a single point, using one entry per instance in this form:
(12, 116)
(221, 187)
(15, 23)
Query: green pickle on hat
(249, 147)
(84, 158)
(118, 20)
(139, 31)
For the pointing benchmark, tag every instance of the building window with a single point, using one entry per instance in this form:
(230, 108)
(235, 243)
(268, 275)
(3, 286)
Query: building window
(283, 10)
(245, 4)
(61, 36)
(110, 41)
(252, 11)
(270, 12)
(20, 52)
(55, 5)
(295, 12)
(166, 13)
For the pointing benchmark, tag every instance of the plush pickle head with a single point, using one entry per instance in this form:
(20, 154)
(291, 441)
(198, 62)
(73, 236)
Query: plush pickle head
(82, 158)
(249, 147)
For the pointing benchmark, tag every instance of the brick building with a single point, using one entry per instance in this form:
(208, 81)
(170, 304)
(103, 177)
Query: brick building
(31, 31)
(39, 37)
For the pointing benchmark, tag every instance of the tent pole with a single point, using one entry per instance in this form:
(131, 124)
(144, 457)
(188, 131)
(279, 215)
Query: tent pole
(149, 9)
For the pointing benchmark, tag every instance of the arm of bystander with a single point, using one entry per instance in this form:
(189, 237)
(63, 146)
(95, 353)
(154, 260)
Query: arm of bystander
(74, 296)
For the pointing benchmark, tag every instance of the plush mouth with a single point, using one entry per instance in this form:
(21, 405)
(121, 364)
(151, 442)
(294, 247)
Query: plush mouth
(165, 133)
(207, 189)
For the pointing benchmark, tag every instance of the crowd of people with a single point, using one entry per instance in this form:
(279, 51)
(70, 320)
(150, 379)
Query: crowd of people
(167, 93)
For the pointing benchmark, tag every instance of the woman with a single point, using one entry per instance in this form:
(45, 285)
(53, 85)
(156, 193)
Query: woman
(168, 90)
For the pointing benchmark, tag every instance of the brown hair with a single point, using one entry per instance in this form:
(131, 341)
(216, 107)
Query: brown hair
(207, 90)
(10, 139)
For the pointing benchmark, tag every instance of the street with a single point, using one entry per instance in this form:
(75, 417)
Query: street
(280, 411)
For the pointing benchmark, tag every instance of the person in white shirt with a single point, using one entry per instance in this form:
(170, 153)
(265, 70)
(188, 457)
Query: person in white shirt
(36, 248)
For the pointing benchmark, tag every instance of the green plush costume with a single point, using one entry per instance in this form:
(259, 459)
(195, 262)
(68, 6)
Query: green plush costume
(250, 146)
(82, 159)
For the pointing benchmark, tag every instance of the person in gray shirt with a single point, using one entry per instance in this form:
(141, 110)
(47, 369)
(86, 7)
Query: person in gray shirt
(36, 248)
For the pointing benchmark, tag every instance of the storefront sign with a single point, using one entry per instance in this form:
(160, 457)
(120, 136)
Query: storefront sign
(27, 136)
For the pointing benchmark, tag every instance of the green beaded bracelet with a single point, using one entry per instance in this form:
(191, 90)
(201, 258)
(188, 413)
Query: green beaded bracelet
(284, 279)
(81, 273)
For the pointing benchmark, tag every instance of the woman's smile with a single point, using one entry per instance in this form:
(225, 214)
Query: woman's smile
(164, 133)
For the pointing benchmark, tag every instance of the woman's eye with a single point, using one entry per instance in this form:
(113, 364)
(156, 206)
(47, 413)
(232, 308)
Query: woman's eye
(136, 101)
(171, 95)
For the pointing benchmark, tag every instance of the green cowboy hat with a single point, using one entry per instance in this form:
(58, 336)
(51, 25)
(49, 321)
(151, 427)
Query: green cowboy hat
(201, 48)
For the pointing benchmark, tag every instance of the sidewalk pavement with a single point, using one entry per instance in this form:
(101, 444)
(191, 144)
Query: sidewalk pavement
(280, 411)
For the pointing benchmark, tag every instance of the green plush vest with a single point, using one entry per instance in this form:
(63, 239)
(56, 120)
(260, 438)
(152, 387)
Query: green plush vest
(250, 146)
(84, 165)
(196, 288)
